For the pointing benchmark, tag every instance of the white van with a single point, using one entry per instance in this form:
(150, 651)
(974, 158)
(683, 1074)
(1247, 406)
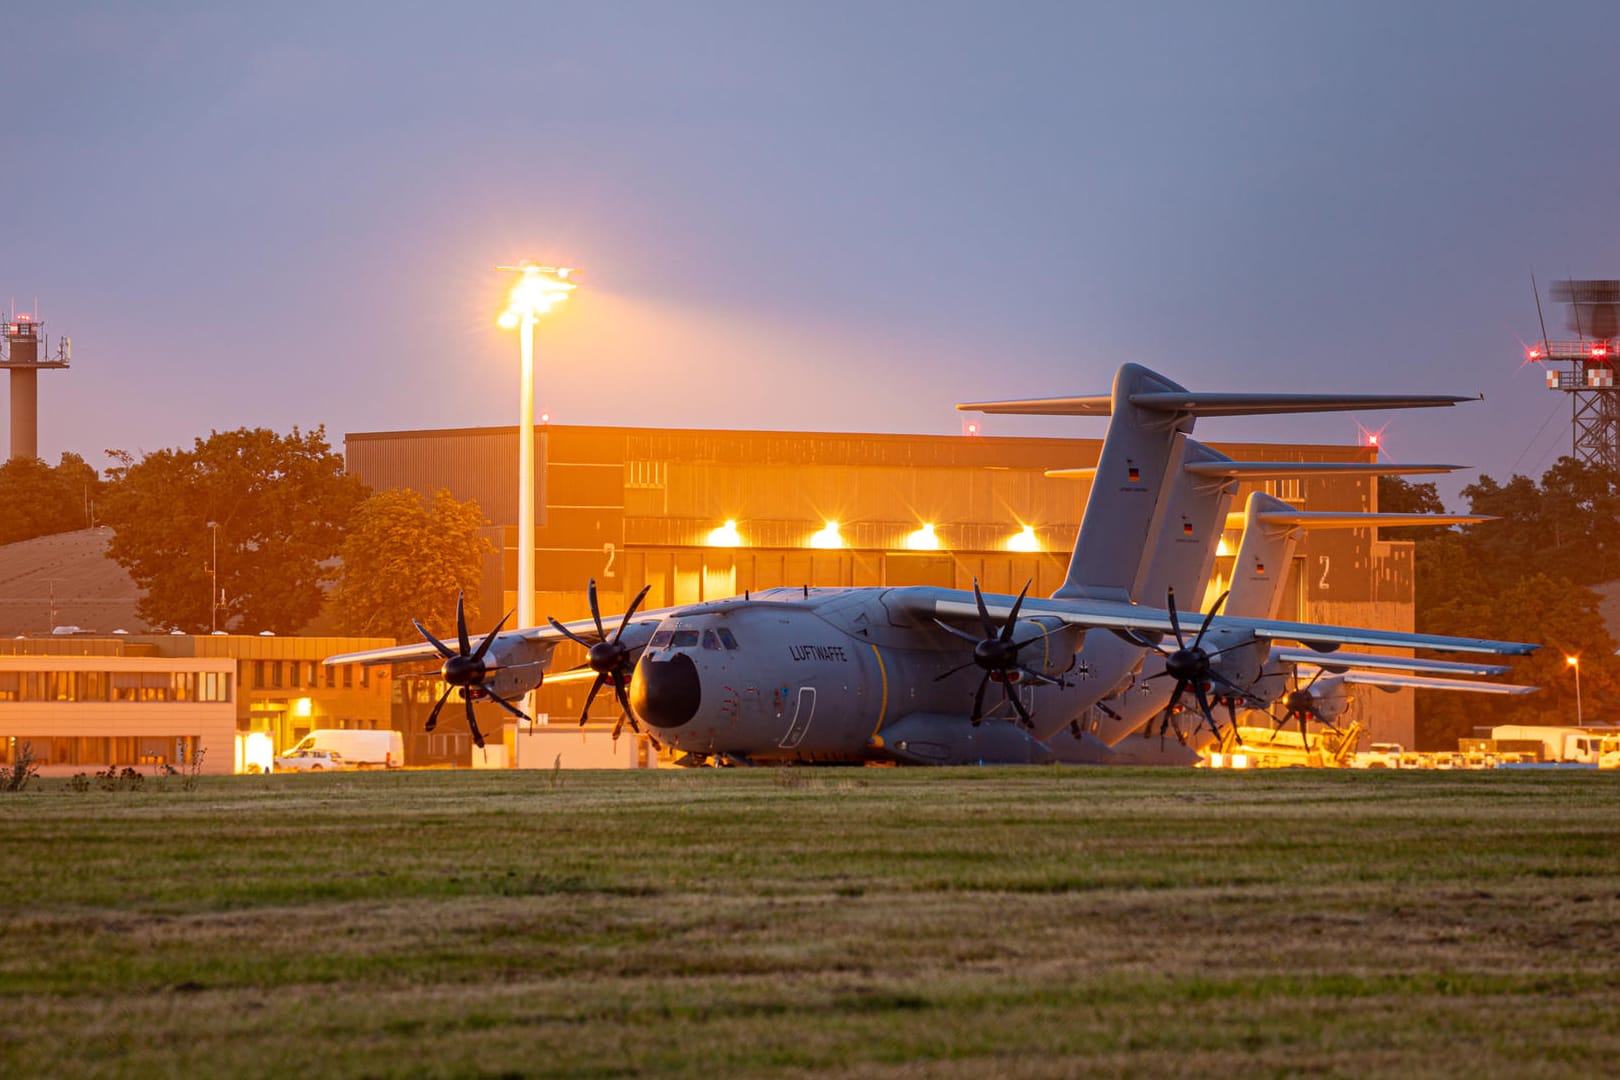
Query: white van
(360, 749)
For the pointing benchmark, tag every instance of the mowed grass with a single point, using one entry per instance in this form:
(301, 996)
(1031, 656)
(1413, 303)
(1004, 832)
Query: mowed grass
(961, 922)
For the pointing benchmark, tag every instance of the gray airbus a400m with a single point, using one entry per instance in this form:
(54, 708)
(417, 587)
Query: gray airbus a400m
(906, 674)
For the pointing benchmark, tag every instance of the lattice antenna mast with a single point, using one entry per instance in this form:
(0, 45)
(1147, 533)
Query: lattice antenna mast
(1584, 368)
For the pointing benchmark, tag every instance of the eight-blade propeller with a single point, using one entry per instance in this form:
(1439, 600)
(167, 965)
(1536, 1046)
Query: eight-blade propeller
(466, 669)
(1300, 704)
(1192, 667)
(997, 654)
(609, 658)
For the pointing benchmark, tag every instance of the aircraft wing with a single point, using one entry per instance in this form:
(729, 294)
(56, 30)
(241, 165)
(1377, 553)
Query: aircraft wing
(1193, 403)
(1420, 682)
(541, 636)
(1340, 661)
(1112, 615)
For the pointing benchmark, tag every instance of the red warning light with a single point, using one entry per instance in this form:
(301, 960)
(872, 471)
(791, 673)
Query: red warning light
(1600, 351)
(25, 318)
(1535, 354)
(1372, 438)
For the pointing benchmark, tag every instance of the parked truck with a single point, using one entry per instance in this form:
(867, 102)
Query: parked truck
(1561, 745)
(362, 749)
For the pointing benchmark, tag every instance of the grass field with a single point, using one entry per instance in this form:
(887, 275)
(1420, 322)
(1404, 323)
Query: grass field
(964, 922)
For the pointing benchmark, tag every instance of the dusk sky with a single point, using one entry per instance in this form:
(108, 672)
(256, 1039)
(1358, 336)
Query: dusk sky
(831, 216)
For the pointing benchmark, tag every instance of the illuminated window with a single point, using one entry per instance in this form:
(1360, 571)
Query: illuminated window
(685, 639)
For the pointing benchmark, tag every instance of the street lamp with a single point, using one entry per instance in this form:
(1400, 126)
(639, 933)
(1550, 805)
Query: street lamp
(538, 290)
(1575, 662)
(213, 582)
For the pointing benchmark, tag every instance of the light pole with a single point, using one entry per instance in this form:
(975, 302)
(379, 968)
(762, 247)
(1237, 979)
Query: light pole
(1575, 662)
(213, 582)
(538, 290)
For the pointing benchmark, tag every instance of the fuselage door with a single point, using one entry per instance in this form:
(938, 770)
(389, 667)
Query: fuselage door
(804, 709)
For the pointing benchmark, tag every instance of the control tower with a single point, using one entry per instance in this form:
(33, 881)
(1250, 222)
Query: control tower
(26, 352)
(1584, 367)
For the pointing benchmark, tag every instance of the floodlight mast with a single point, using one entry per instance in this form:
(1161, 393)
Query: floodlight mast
(537, 291)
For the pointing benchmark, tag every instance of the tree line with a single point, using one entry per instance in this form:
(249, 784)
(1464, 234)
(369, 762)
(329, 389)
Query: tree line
(250, 530)
(1529, 576)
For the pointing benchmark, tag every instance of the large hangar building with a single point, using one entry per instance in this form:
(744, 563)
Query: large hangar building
(703, 514)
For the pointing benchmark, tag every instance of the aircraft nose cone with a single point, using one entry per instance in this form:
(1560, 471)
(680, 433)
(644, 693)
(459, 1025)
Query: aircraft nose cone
(666, 690)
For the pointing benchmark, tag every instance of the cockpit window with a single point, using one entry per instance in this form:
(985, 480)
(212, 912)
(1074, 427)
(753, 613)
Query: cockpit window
(685, 639)
(660, 639)
(727, 639)
(710, 641)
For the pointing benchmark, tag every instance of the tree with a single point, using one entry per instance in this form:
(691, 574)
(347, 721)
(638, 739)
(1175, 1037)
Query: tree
(278, 505)
(1525, 577)
(40, 500)
(406, 557)
(1397, 496)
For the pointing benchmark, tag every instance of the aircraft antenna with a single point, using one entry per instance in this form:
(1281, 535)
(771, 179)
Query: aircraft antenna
(1539, 317)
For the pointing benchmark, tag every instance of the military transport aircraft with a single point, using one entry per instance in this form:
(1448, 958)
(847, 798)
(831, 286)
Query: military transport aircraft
(1307, 684)
(903, 674)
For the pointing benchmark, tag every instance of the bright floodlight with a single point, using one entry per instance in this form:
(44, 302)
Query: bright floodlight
(538, 290)
(1573, 661)
(923, 539)
(828, 537)
(1024, 540)
(725, 536)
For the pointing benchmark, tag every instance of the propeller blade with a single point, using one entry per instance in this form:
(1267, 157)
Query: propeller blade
(596, 612)
(461, 625)
(1175, 696)
(1210, 617)
(585, 713)
(433, 717)
(618, 727)
(1012, 616)
(567, 633)
(489, 638)
(984, 612)
(953, 671)
(618, 691)
(441, 647)
(472, 721)
(1131, 637)
(1175, 619)
(949, 629)
(1203, 707)
(1011, 694)
(978, 701)
(1318, 675)
(507, 705)
(1304, 736)
(624, 621)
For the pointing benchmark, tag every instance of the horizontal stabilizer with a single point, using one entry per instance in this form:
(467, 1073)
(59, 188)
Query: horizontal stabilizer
(1350, 519)
(1267, 470)
(1420, 682)
(1342, 660)
(1214, 404)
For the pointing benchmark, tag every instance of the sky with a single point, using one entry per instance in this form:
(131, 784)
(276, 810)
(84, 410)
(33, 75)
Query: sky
(832, 216)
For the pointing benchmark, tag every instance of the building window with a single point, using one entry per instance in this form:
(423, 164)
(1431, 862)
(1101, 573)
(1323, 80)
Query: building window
(275, 675)
(258, 674)
(348, 676)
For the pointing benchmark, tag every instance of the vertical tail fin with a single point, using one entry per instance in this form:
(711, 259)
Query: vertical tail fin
(1186, 531)
(1141, 459)
(1260, 571)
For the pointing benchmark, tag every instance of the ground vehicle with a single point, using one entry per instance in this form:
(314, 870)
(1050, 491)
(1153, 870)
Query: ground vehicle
(361, 749)
(1560, 744)
(1381, 755)
(310, 761)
